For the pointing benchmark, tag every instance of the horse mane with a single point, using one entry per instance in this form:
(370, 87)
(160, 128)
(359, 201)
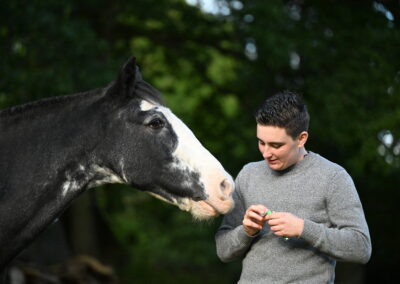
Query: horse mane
(142, 89)
(45, 102)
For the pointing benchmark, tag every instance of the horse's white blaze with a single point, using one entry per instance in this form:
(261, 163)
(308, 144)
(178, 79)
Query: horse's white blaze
(191, 155)
(189, 149)
(145, 105)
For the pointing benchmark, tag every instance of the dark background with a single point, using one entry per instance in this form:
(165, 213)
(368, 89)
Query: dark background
(214, 69)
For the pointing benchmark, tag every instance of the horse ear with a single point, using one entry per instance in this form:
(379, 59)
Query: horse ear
(127, 78)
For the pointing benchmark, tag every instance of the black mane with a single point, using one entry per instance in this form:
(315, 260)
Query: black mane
(45, 102)
(143, 89)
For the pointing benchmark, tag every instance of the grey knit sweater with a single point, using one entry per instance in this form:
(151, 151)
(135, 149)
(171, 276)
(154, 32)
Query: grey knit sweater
(315, 189)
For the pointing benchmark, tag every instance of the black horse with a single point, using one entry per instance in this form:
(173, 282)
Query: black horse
(54, 149)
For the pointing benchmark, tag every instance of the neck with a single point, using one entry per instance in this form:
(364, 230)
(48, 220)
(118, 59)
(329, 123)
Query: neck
(302, 153)
(47, 159)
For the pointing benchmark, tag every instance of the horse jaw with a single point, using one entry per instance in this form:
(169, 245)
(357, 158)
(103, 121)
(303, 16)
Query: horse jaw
(200, 210)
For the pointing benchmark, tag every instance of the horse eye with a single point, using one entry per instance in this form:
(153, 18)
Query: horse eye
(156, 123)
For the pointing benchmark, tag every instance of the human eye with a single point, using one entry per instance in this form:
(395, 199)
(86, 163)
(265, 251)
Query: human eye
(260, 142)
(276, 145)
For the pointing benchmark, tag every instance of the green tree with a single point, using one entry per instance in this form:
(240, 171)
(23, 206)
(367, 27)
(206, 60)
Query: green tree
(214, 70)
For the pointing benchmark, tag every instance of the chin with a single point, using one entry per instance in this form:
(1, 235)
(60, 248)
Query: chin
(275, 166)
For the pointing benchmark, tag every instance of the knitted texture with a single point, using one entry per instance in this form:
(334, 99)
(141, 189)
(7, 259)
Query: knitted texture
(316, 190)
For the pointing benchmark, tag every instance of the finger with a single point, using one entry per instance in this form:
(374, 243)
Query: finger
(279, 214)
(277, 228)
(274, 222)
(276, 215)
(271, 216)
(250, 224)
(259, 209)
(279, 233)
(254, 215)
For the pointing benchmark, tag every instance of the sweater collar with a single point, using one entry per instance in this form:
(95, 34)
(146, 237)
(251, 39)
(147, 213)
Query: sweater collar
(297, 167)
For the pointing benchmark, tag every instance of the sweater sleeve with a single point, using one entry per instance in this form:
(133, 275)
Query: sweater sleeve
(347, 239)
(232, 242)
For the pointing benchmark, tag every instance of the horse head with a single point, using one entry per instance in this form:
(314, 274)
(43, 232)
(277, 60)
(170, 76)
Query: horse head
(147, 146)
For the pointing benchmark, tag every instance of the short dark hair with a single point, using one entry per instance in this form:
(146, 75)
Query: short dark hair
(286, 110)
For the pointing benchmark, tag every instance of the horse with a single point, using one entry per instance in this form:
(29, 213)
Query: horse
(54, 149)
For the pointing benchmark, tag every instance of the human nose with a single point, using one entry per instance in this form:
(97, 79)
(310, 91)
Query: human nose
(266, 152)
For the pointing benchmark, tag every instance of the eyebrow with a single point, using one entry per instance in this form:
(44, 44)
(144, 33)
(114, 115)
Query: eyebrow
(276, 143)
(271, 143)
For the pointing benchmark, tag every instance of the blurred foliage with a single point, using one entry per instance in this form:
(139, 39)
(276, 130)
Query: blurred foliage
(160, 242)
(214, 70)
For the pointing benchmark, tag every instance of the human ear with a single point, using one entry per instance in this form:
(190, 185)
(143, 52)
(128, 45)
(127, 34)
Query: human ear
(303, 136)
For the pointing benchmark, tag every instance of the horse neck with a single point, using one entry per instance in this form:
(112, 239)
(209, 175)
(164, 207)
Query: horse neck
(45, 151)
(50, 138)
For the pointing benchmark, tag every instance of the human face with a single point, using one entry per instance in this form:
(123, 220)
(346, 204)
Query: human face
(280, 150)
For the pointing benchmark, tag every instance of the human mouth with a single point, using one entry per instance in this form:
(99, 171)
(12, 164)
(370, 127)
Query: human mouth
(272, 162)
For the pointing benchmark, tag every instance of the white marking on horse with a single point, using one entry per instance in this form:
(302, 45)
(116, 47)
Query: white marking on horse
(145, 105)
(108, 176)
(122, 165)
(189, 149)
(183, 204)
(69, 185)
(191, 155)
(101, 175)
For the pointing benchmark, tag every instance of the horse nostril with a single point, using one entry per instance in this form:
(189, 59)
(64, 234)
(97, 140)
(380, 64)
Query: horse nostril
(226, 187)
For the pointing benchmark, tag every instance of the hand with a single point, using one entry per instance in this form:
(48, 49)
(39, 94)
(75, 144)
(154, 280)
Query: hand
(253, 219)
(285, 224)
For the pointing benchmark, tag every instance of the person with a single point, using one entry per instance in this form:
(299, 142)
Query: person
(296, 213)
